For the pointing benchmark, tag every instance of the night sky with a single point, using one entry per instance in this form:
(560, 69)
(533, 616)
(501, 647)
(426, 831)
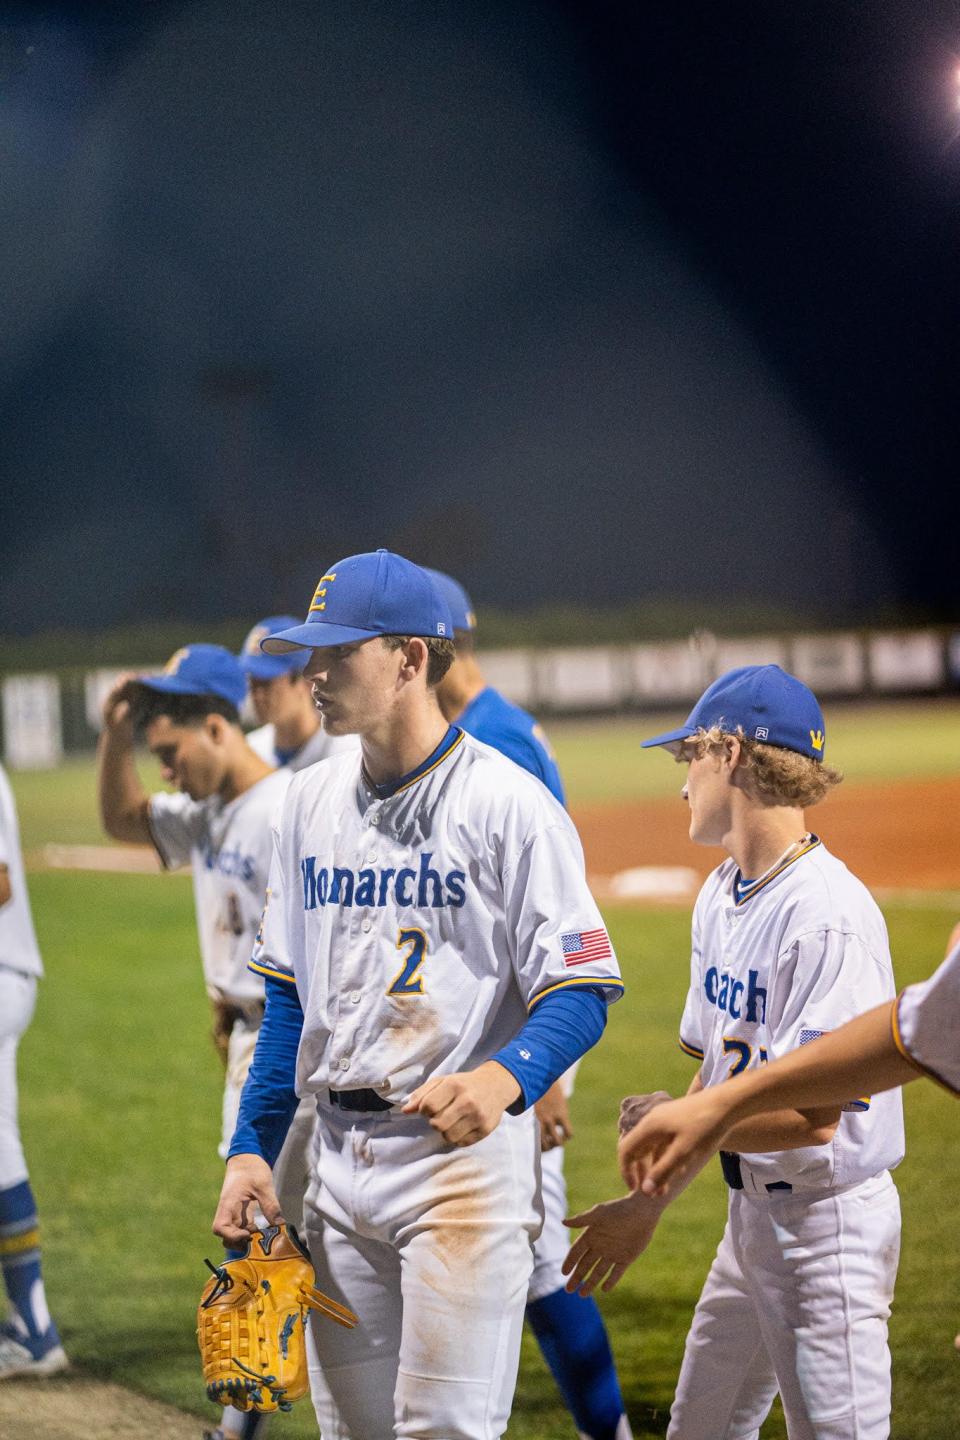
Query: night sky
(588, 303)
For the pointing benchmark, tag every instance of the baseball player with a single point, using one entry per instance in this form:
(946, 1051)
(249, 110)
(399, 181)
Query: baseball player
(29, 1342)
(787, 945)
(569, 1328)
(219, 823)
(916, 1035)
(433, 961)
(289, 730)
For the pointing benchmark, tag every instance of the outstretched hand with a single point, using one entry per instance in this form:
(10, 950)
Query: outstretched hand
(614, 1234)
(634, 1107)
(673, 1142)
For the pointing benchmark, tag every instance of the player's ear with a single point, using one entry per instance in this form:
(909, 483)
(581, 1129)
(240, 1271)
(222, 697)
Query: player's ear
(217, 728)
(733, 752)
(416, 657)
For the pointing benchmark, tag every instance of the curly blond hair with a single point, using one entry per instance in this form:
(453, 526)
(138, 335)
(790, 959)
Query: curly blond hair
(770, 774)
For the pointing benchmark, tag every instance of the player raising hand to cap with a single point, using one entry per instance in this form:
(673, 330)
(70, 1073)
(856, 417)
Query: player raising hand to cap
(218, 822)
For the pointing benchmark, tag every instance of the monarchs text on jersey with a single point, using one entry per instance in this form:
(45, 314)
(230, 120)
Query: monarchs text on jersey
(421, 927)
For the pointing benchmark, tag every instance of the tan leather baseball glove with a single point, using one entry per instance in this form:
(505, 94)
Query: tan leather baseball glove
(252, 1318)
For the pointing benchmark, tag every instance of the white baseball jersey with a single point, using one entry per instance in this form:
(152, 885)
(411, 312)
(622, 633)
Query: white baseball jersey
(228, 847)
(802, 951)
(319, 747)
(420, 928)
(18, 940)
(927, 1022)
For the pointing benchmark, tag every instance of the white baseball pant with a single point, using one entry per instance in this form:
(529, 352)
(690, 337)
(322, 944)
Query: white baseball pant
(432, 1247)
(18, 996)
(797, 1300)
(553, 1242)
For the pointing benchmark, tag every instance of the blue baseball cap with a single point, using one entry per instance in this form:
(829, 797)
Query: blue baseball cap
(457, 598)
(201, 670)
(377, 593)
(765, 702)
(258, 666)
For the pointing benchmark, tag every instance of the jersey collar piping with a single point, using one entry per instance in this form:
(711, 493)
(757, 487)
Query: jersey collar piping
(740, 897)
(448, 744)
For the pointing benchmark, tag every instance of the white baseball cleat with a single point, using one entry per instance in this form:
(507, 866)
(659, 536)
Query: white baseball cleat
(16, 1359)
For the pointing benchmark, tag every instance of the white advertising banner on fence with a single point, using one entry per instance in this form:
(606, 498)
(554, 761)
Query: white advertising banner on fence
(758, 650)
(668, 673)
(510, 672)
(32, 735)
(906, 661)
(581, 678)
(830, 664)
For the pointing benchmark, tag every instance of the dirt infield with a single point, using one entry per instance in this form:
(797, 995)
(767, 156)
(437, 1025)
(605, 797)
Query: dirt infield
(899, 835)
(72, 1408)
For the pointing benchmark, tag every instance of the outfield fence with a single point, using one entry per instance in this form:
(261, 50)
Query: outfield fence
(52, 714)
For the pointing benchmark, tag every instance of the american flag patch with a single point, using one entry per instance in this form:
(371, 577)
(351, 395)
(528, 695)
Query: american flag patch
(581, 946)
(807, 1035)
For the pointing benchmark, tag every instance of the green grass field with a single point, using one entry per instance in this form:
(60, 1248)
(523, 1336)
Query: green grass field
(120, 1097)
(120, 1104)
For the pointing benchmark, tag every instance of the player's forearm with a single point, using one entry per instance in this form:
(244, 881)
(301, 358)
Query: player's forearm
(269, 1097)
(860, 1058)
(123, 800)
(782, 1130)
(561, 1028)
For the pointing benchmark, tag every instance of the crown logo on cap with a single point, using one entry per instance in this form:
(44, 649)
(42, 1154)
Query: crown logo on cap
(318, 602)
(176, 660)
(816, 739)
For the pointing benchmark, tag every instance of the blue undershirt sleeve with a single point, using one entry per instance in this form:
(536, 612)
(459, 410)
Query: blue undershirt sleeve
(562, 1027)
(269, 1097)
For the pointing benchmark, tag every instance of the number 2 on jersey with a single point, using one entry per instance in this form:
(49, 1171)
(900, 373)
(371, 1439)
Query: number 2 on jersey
(408, 982)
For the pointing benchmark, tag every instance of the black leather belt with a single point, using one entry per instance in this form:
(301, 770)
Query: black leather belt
(730, 1165)
(358, 1100)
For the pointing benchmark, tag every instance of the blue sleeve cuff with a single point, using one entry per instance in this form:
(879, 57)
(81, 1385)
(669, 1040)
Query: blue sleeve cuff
(269, 1098)
(564, 1026)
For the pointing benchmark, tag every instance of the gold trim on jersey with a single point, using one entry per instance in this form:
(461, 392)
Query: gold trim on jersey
(690, 1050)
(898, 1041)
(418, 775)
(259, 969)
(606, 982)
(778, 869)
(430, 768)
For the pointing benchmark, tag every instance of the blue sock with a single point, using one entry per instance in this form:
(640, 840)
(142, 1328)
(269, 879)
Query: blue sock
(20, 1259)
(571, 1334)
